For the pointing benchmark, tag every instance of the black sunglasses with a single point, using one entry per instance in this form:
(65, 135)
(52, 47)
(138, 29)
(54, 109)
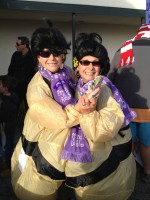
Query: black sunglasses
(17, 44)
(47, 53)
(86, 63)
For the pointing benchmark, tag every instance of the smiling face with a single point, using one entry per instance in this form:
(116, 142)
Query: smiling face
(89, 70)
(51, 62)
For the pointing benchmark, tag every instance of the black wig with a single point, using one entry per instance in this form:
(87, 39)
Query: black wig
(50, 38)
(91, 44)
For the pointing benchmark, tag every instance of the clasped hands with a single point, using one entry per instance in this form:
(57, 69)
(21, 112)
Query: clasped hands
(87, 103)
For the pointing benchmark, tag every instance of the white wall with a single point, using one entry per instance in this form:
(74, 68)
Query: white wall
(10, 29)
(113, 36)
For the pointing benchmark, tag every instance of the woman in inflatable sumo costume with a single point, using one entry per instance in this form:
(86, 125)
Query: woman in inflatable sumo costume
(37, 167)
(109, 173)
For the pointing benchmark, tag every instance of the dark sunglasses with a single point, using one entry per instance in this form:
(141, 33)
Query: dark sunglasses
(86, 63)
(47, 53)
(17, 44)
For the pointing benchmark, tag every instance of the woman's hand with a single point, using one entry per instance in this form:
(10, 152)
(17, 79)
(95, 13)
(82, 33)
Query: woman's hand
(87, 103)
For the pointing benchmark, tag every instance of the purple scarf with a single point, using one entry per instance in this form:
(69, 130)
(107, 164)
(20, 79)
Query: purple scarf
(129, 115)
(76, 148)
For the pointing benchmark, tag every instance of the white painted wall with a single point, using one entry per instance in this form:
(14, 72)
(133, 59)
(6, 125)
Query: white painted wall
(113, 36)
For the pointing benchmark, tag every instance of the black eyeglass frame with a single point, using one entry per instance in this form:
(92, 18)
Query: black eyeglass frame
(48, 52)
(17, 44)
(87, 63)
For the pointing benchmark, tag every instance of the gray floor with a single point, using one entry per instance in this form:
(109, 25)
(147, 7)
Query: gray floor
(141, 192)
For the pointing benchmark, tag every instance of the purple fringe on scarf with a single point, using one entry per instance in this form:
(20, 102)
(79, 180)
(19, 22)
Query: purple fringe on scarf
(76, 143)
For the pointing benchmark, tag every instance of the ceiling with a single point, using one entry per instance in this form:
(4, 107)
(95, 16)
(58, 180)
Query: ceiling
(67, 17)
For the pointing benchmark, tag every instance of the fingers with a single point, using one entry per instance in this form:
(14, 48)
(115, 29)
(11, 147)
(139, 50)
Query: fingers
(90, 97)
(94, 94)
(88, 102)
(84, 104)
(85, 101)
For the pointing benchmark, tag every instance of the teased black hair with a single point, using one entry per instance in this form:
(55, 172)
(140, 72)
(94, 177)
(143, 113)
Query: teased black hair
(50, 38)
(24, 40)
(91, 44)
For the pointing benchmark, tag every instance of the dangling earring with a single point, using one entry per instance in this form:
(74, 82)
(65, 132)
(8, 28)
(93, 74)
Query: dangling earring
(77, 75)
(62, 66)
(63, 60)
(63, 57)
